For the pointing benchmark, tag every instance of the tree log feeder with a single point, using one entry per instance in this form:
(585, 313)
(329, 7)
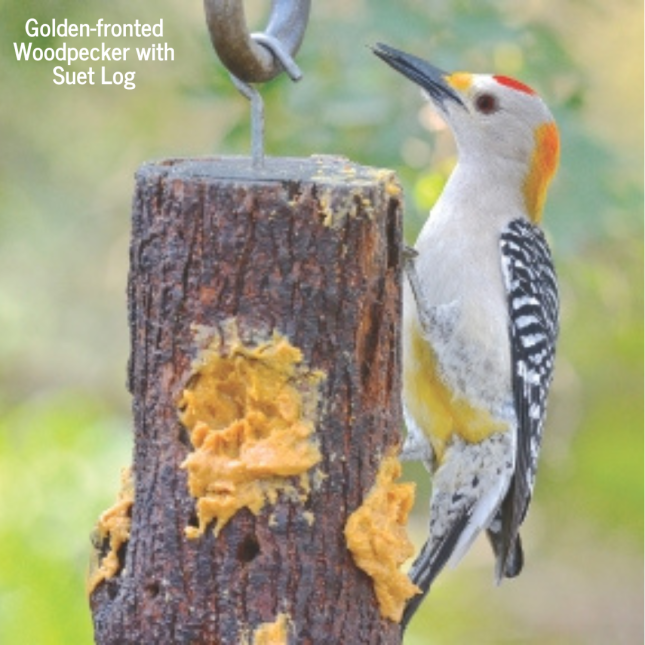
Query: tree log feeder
(264, 313)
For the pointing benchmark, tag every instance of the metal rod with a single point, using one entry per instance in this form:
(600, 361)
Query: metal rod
(257, 121)
(253, 58)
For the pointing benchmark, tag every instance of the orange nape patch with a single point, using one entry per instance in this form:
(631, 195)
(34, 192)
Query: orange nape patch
(113, 527)
(544, 163)
(250, 412)
(435, 409)
(460, 80)
(378, 541)
(275, 633)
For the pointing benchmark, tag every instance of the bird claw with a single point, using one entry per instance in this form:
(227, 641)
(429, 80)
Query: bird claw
(409, 254)
(415, 450)
(409, 267)
(416, 446)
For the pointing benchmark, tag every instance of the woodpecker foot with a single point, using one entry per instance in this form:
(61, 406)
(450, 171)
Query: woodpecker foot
(410, 268)
(409, 253)
(416, 446)
(417, 449)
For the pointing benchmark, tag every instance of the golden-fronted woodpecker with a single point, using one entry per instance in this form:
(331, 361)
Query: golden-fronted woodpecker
(480, 318)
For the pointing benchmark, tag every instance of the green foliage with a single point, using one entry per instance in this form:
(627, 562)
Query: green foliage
(603, 339)
(59, 464)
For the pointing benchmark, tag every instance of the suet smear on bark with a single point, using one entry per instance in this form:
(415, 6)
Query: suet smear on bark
(377, 538)
(112, 531)
(250, 412)
(275, 633)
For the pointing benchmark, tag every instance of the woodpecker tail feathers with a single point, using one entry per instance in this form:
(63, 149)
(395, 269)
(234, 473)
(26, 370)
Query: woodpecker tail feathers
(429, 563)
(508, 551)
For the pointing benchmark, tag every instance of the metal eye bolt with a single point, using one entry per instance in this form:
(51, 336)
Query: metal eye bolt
(257, 57)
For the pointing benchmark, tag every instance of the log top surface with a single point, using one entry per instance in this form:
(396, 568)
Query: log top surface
(317, 168)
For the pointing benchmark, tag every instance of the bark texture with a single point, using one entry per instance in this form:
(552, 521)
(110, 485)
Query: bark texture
(309, 248)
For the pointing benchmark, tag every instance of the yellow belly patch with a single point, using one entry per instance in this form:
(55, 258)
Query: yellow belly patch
(435, 409)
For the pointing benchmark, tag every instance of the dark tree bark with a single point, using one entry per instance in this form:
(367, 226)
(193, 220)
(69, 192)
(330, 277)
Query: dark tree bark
(310, 249)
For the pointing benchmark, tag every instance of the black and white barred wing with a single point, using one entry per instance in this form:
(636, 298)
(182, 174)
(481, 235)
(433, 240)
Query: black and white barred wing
(533, 304)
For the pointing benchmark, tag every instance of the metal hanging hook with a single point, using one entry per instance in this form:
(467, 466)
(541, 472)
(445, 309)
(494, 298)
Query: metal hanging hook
(257, 104)
(241, 53)
(257, 57)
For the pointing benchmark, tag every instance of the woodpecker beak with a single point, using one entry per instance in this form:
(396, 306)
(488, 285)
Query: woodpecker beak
(428, 77)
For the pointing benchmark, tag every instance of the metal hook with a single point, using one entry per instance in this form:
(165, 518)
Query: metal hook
(280, 52)
(289, 19)
(257, 105)
(241, 53)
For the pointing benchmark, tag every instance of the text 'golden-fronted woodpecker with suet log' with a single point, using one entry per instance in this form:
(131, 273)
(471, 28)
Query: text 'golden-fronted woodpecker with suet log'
(480, 318)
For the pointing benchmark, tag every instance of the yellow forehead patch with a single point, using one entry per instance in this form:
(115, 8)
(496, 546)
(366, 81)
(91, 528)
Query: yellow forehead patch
(460, 80)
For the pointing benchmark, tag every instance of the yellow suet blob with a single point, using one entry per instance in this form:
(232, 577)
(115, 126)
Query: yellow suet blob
(250, 414)
(377, 538)
(275, 633)
(113, 526)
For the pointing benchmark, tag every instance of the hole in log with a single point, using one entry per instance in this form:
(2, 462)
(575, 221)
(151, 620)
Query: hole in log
(248, 549)
(112, 588)
(184, 438)
(152, 589)
(121, 554)
(193, 520)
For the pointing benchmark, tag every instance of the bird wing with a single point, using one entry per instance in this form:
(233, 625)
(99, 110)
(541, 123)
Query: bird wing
(533, 306)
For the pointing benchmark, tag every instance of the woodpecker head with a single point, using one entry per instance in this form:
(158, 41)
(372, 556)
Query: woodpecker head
(495, 120)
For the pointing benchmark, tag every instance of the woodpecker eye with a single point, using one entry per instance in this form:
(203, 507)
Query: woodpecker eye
(487, 103)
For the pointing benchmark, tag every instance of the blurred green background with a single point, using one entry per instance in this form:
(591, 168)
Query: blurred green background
(67, 158)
